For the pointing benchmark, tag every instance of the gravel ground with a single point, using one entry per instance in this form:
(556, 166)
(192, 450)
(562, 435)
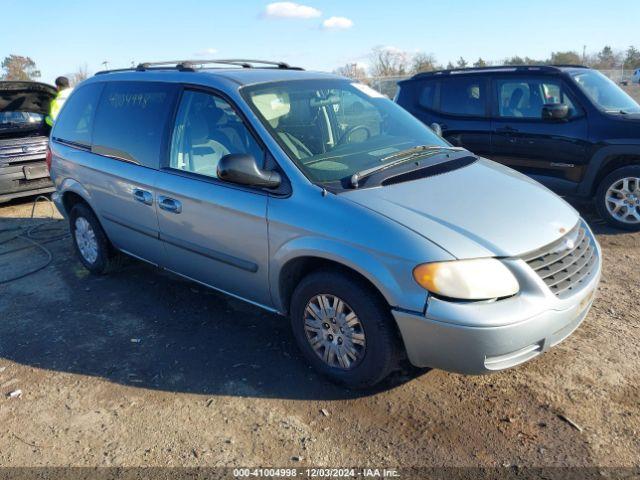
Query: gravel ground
(141, 368)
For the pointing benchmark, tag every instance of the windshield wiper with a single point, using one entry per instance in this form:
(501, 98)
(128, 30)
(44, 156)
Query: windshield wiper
(399, 158)
(415, 151)
(621, 111)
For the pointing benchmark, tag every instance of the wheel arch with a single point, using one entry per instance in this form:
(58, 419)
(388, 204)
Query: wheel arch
(297, 268)
(304, 255)
(71, 193)
(605, 161)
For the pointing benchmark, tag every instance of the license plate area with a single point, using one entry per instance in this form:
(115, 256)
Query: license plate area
(584, 303)
(33, 172)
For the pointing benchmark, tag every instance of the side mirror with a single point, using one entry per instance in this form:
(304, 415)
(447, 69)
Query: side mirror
(243, 169)
(555, 111)
(437, 129)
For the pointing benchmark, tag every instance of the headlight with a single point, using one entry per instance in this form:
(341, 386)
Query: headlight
(479, 279)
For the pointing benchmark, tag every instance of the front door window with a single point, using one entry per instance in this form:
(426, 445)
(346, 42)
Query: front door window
(524, 98)
(207, 128)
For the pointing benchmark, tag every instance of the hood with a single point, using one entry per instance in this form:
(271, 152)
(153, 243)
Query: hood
(484, 209)
(31, 97)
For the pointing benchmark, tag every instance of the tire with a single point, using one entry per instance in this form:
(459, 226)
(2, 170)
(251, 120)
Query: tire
(621, 221)
(376, 359)
(105, 259)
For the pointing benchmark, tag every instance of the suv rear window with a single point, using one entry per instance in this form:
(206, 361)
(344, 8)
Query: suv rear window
(131, 120)
(75, 122)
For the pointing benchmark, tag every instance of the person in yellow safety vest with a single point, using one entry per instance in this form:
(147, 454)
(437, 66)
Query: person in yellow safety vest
(62, 84)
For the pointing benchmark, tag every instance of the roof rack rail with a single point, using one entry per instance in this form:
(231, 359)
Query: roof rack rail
(191, 65)
(494, 68)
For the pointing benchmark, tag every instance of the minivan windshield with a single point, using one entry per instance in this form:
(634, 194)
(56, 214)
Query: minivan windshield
(605, 93)
(333, 129)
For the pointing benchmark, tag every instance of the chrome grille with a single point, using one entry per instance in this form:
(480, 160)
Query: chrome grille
(23, 149)
(567, 264)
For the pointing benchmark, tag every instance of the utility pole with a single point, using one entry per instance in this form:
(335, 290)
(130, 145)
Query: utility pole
(584, 54)
(106, 64)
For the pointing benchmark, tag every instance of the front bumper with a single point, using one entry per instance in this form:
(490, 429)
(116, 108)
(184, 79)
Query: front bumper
(483, 337)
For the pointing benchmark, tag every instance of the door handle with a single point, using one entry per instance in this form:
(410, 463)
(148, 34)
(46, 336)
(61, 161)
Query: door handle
(507, 129)
(143, 196)
(169, 204)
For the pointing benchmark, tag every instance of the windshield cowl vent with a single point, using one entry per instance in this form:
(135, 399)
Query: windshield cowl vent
(430, 171)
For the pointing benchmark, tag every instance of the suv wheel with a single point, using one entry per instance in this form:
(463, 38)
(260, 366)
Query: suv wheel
(618, 198)
(90, 241)
(344, 329)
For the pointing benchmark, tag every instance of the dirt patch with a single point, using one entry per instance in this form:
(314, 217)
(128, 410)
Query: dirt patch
(140, 368)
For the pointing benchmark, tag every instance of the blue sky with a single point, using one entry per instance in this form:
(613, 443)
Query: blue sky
(61, 35)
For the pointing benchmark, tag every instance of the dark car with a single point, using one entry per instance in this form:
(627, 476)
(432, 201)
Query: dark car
(23, 139)
(569, 127)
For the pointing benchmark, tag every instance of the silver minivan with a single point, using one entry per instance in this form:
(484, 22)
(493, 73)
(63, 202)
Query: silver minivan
(315, 197)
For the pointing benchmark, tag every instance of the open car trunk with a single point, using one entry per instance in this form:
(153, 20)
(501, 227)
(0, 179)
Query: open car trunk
(23, 138)
(32, 97)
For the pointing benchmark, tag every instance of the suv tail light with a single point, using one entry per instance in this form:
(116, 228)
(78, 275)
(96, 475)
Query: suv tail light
(48, 159)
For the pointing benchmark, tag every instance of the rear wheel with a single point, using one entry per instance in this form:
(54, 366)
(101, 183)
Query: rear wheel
(90, 241)
(344, 329)
(618, 198)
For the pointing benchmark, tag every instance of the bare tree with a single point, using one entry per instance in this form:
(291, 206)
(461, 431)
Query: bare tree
(461, 63)
(17, 67)
(423, 62)
(351, 70)
(80, 75)
(388, 62)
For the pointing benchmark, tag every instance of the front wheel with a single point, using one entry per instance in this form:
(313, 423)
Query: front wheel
(344, 329)
(618, 198)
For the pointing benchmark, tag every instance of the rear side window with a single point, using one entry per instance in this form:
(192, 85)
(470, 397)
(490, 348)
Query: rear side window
(74, 125)
(463, 96)
(131, 120)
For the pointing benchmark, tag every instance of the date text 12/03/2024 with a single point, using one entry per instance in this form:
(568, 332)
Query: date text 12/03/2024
(316, 472)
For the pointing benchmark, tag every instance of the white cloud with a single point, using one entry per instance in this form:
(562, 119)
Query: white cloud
(206, 52)
(337, 23)
(290, 10)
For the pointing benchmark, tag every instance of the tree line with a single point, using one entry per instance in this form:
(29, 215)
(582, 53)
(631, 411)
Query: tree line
(389, 62)
(392, 62)
(21, 68)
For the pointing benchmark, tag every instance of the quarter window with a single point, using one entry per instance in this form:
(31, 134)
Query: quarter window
(427, 97)
(207, 128)
(76, 119)
(131, 120)
(463, 96)
(525, 98)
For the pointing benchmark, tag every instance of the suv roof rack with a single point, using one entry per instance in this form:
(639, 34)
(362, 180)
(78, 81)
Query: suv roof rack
(498, 68)
(192, 65)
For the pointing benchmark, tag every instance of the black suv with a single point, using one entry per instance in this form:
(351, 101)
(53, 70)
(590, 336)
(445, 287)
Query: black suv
(24, 138)
(569, 127)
